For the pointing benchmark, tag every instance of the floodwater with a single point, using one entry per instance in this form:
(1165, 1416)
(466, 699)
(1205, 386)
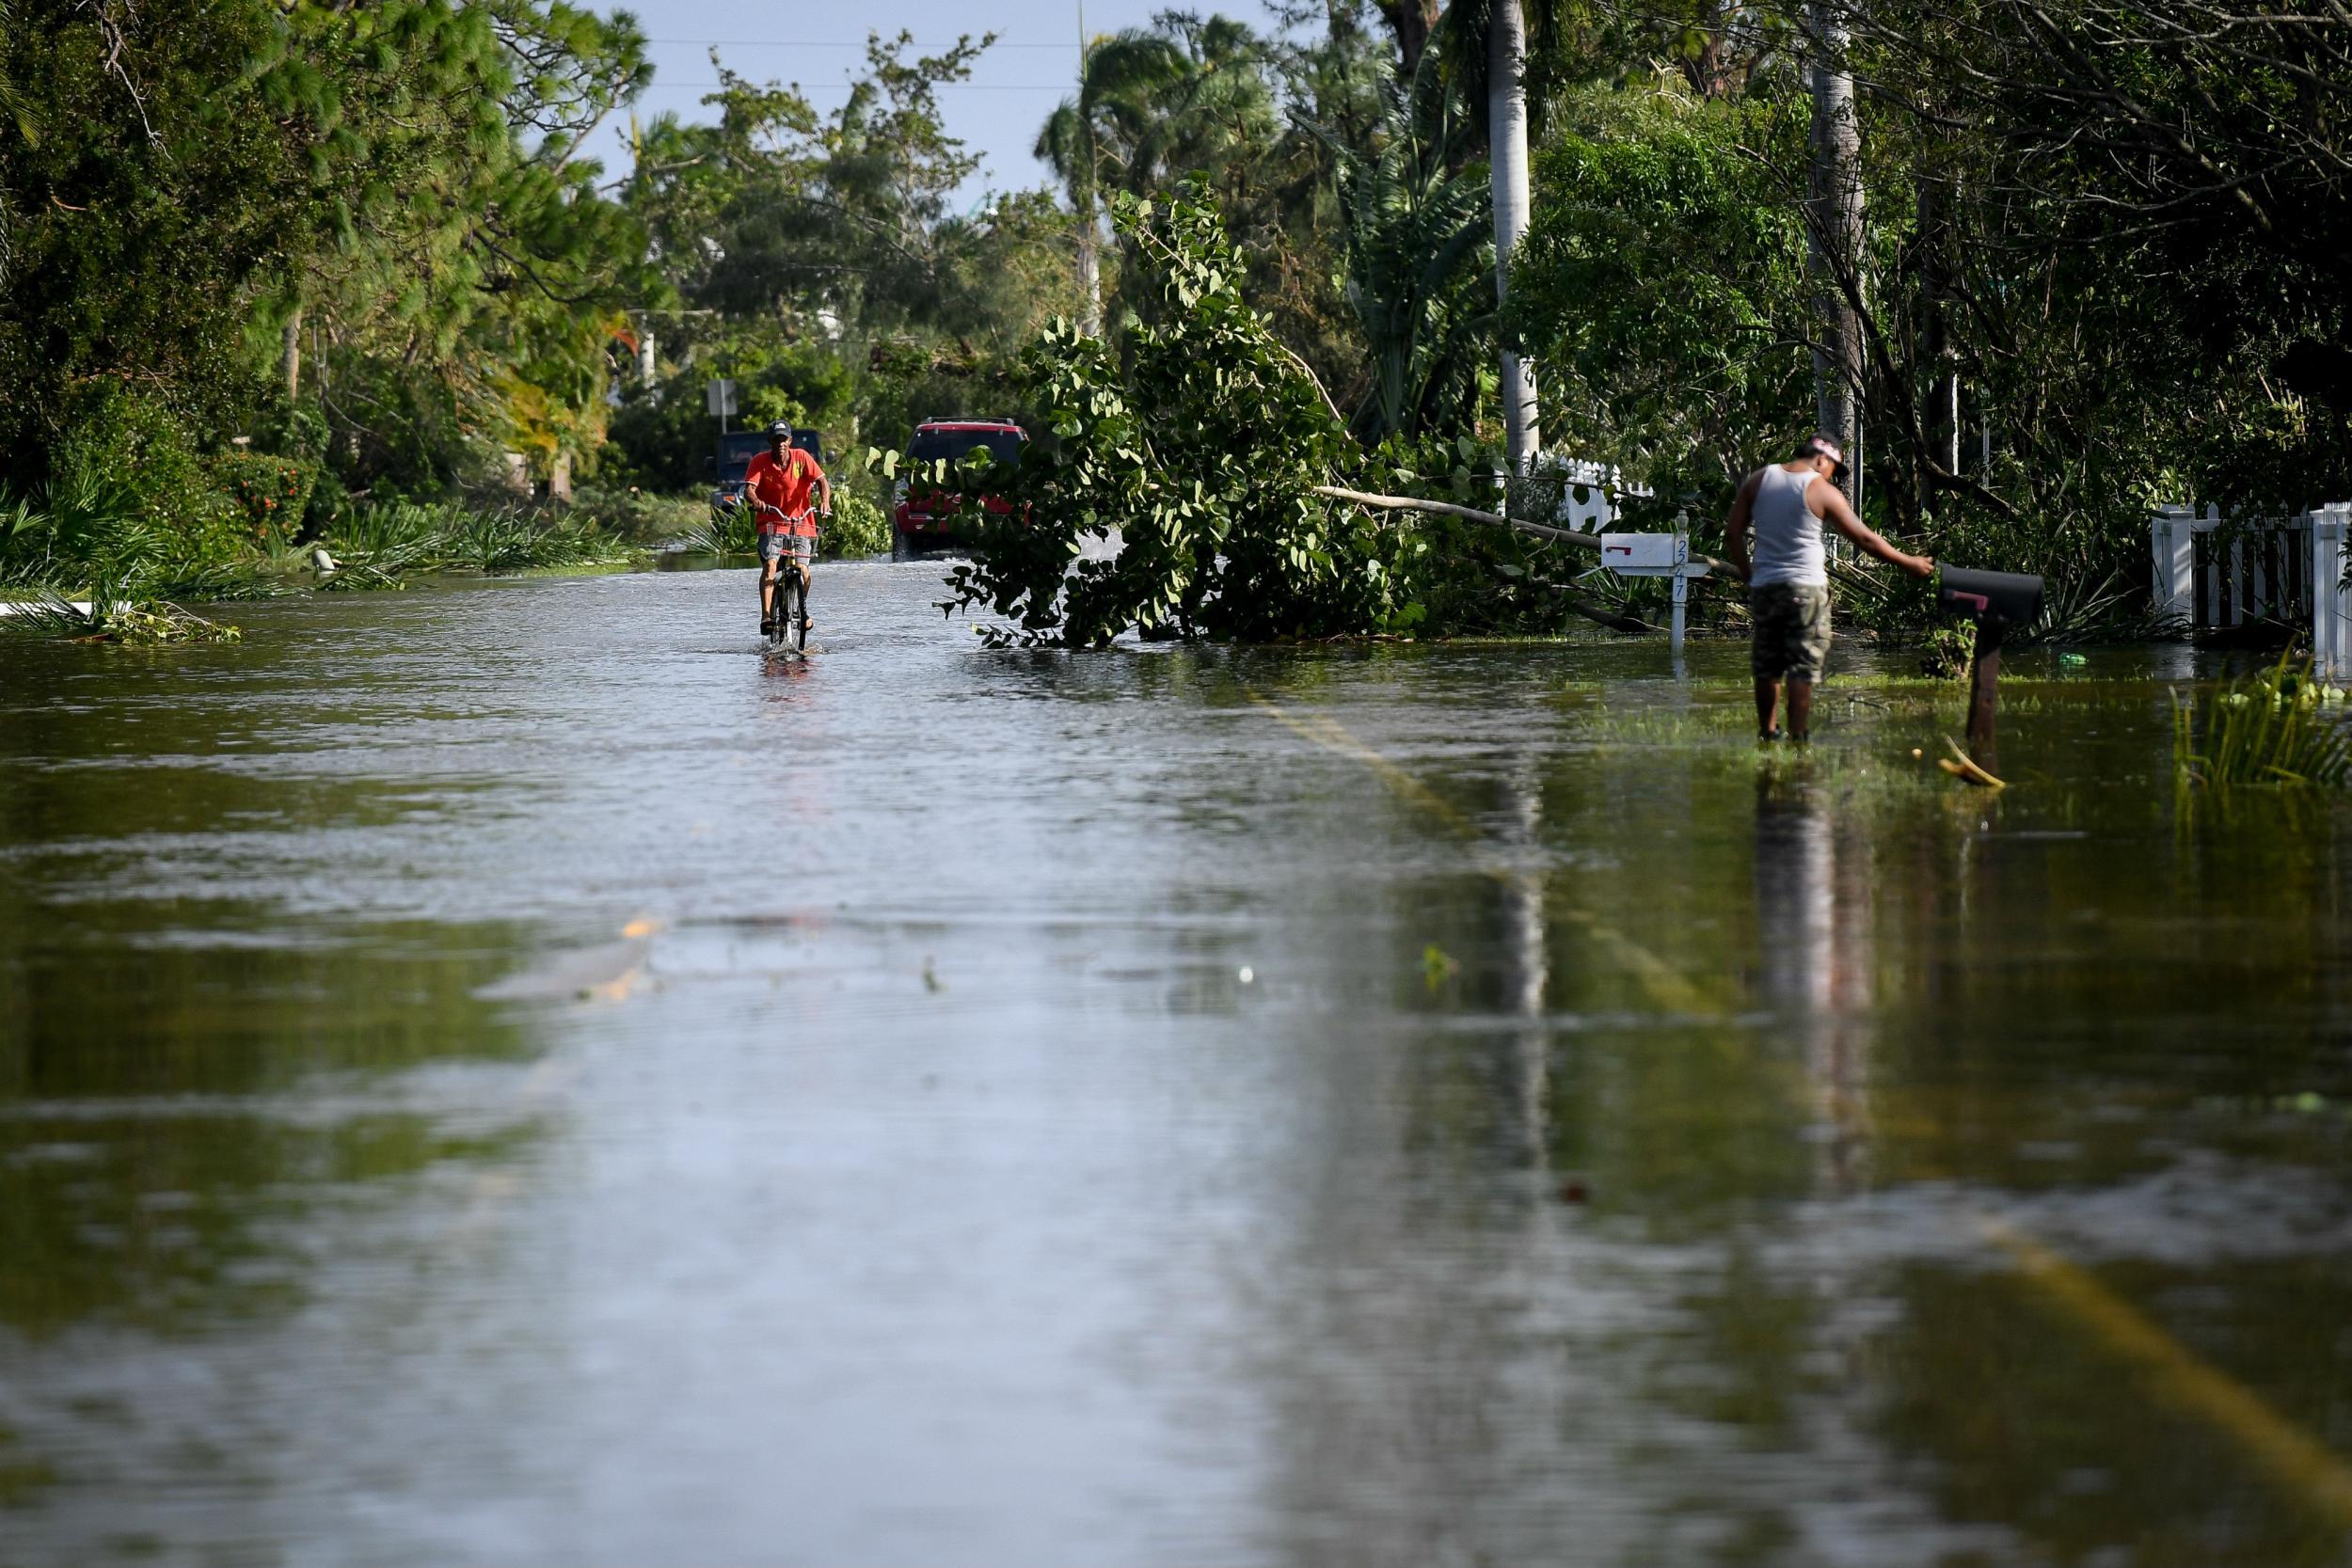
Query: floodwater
(507, 1075)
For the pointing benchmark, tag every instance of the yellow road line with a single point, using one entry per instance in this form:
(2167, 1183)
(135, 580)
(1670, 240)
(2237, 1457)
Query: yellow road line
(1669, 989)
(2289, 1456)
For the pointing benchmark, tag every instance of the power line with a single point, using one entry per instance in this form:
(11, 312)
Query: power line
(829, 44)
(936, 87)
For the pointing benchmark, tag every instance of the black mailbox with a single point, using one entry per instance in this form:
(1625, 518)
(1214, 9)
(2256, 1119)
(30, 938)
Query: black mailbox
(1989, 598)
(1995, 601)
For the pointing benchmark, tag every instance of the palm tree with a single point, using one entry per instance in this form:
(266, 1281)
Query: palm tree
(1414, 219)
(1153, 103)
(1488, 42)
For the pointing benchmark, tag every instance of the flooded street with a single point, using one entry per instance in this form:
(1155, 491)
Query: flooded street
(504, 1074)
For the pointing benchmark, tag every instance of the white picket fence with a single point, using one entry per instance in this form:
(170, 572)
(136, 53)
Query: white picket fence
(2216, 573)
(1594, 508)
(2332, 618)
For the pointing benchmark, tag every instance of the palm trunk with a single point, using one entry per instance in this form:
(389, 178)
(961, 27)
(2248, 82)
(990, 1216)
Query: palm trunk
(1833, 228)
(290, 355)
(1506, 133)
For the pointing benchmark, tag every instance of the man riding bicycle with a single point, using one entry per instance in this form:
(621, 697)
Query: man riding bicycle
(778, 484)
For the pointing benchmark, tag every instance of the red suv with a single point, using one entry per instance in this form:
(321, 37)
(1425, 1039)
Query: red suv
(925, 517)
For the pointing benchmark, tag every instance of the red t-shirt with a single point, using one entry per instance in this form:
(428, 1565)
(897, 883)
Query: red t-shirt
(787, 486)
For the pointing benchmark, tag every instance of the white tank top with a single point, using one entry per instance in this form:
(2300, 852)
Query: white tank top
(1788, 545)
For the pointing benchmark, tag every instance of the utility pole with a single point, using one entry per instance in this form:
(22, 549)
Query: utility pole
(1833, 233)
(1089, 264)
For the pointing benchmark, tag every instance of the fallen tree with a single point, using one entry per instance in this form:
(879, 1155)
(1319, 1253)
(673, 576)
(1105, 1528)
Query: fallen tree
(1235, 489)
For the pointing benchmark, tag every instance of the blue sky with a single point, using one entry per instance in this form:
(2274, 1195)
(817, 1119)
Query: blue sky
(1013, 86)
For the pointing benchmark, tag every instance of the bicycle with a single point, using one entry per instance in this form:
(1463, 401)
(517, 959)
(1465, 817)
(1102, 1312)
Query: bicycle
(786, 627)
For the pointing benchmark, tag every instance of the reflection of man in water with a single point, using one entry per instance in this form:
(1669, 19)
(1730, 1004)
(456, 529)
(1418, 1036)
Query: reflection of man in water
(1789, 581)
(1813, 923)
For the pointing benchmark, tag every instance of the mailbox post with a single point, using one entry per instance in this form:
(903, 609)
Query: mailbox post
(1995, 601)
(1655, 555)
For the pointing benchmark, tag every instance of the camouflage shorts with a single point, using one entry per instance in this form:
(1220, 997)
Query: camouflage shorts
(1792, 631)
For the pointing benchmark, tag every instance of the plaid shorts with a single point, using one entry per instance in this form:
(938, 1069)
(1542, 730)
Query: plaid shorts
(786, 546)
(1791, 639)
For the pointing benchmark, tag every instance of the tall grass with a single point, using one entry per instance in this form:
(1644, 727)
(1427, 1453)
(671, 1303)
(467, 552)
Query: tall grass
(87, 538)
(2278, 727)
(380, 544)
(858, 527)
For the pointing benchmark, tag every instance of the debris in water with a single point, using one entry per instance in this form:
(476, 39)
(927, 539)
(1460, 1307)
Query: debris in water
(1247, 975)
(1965, 768)
(1437, 966)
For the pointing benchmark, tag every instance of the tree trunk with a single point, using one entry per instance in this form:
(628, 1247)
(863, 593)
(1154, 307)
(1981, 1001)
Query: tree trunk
(1704, 68)
(1090, 272)
(1834, 228)
(1412, 21)
(1506, 152)
(290, 353)
(1939, 338)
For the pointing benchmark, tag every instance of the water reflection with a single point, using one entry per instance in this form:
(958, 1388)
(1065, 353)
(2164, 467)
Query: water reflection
(1078, 1156)
(1816, 920)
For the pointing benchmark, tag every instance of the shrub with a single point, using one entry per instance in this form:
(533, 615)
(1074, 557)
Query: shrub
(272, 495)
(118, 435)
(858, 527)
(380, 543)
(643, 517)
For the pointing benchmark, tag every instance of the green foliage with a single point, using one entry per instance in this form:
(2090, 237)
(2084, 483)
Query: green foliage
(663, 437)
(94, 532)
(1264, 122)
(1661, 288)
(639, 517)
(723, 531)
(108, 617)
(394, 183)
(858, 526)
(271, 495)
(383, 543)
(1416, 224)
(1948, 651)
(1198, 443)
(2278, 727)
(128, 445)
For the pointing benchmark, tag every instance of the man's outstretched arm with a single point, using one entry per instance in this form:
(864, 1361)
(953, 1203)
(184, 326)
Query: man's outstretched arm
(1866, 539)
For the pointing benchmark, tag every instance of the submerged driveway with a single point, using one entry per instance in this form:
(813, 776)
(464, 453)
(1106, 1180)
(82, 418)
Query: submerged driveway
(507, 1075)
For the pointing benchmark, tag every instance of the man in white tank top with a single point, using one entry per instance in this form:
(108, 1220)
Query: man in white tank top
(1785, 506)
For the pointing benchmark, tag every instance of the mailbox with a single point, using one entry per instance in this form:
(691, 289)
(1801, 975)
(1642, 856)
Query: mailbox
(1995, 601)
(1643, 555)
(2003, 598)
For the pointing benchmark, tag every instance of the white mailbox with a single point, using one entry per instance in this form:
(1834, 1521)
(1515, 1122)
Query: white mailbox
(1655, 555)
(1639, 555)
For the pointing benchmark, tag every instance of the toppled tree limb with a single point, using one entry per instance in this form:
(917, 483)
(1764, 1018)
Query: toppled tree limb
(1414, 504)
(1630, 625)
(1582, 605)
